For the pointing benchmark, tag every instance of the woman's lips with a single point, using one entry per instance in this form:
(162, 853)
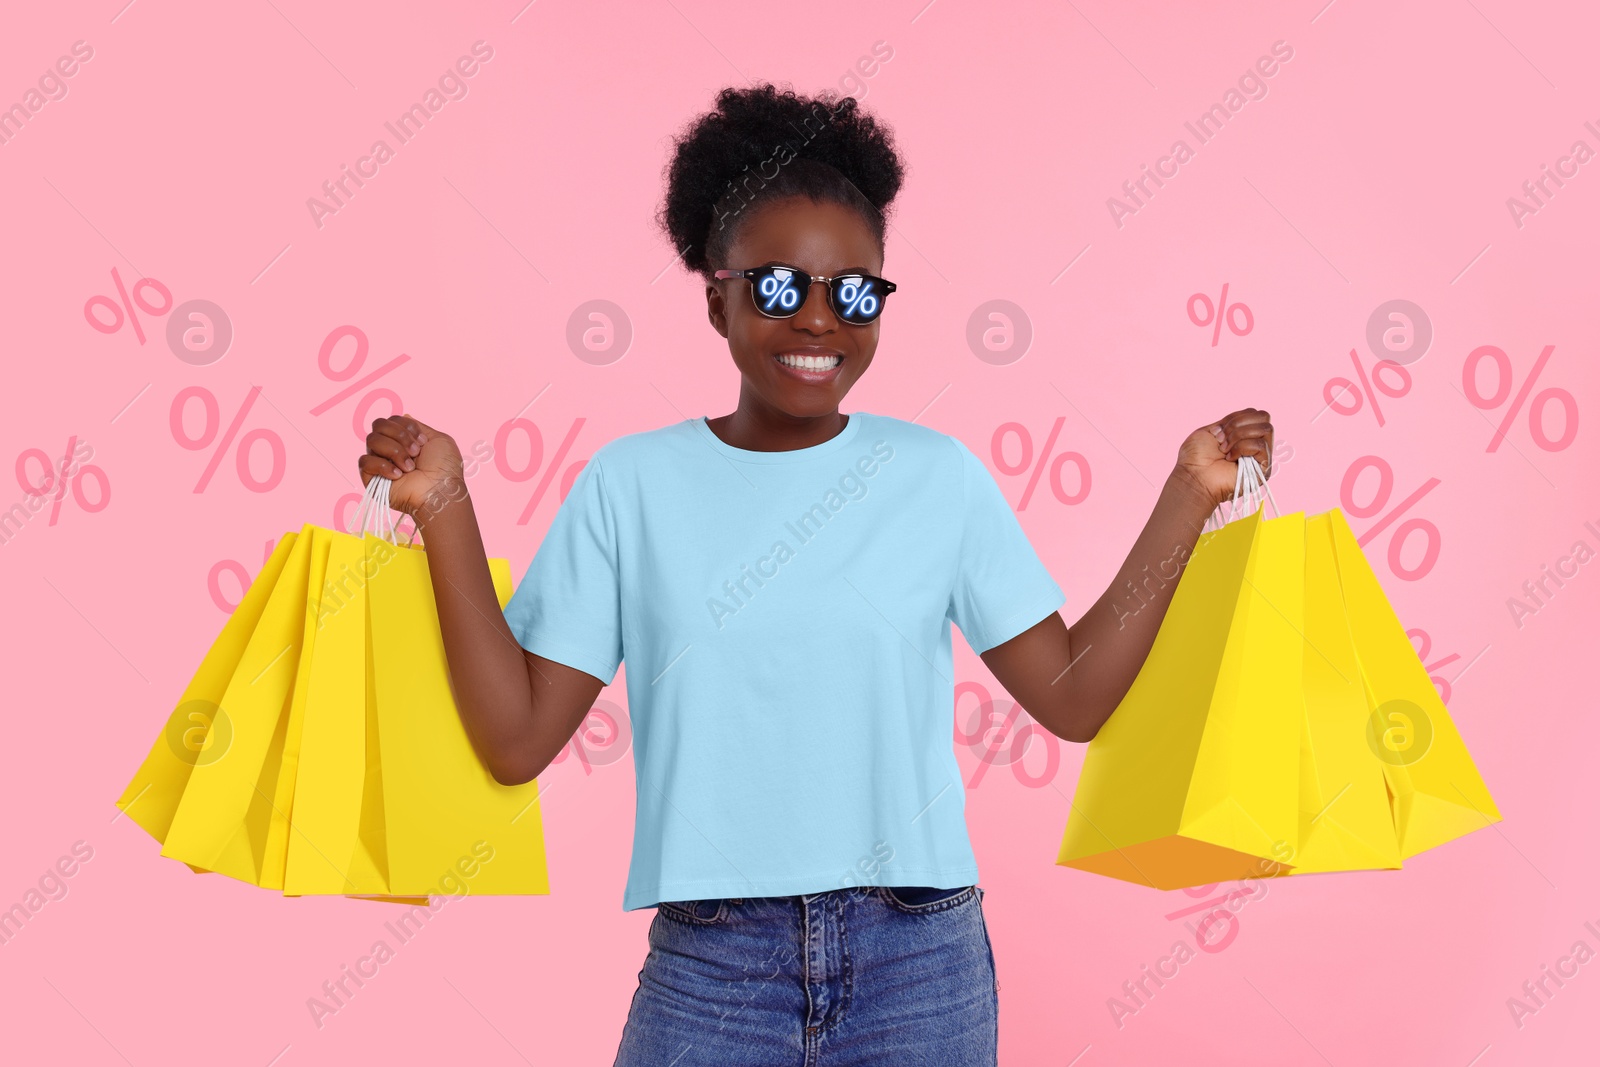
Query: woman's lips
(814, 368)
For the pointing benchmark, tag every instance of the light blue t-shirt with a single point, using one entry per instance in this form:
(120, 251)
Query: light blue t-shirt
(785, 618)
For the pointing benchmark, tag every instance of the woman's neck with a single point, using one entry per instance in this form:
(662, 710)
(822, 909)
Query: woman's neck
(772, 431)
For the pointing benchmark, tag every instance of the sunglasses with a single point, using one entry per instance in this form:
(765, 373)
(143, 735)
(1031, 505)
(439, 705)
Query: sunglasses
(780, 291)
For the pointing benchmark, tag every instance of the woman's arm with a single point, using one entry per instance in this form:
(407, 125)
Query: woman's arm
(1072, 678)
(519, 709)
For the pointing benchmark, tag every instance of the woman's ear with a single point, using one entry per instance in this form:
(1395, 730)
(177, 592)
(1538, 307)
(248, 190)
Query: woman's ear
(716, 309)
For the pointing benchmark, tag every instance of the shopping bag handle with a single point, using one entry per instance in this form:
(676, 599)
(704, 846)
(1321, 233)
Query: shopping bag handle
(1254, 480)
(1250, 489)
(375, 510)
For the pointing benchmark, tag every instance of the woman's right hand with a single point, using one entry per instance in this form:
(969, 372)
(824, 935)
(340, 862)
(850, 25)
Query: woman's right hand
(416, 458)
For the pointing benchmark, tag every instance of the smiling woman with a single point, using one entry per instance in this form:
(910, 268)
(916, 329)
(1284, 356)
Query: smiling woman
(819, 220)
(777, 751)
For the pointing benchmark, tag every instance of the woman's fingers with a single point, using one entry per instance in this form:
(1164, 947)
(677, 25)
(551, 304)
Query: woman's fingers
(413, 432)
(1247, 432)
(410, 433)
(1245, 418)
(422, 429)
(387, 445)
(1248, 435)
(374, 466)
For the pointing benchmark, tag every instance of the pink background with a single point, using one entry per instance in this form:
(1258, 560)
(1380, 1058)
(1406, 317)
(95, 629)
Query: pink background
(1377, 167)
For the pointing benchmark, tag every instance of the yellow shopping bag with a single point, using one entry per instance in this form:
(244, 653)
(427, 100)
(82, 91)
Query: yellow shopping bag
(224, 817)
(280, 778)
(194, 733)
(1195, 777)
(1438, 793)
(449, 821)
(1380, 771)
(1345, 819)
(326, 851)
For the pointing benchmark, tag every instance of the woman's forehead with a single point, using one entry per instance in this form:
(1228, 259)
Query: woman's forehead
(803, 233)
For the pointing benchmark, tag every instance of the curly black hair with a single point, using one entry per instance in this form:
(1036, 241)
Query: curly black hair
(763, 144)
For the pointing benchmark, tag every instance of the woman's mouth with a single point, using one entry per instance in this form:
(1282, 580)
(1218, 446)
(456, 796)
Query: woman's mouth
(811, 367)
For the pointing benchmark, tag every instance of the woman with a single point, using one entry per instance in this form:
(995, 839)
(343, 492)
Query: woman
(781, 581)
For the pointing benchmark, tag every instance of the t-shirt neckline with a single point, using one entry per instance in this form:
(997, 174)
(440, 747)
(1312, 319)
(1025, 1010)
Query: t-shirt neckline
(793, 455)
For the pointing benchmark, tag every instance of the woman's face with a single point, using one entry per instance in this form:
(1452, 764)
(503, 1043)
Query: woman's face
(822, 240)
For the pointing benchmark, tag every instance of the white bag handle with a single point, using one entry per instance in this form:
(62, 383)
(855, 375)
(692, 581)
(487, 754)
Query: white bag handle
(1250, 490)
(374, 510)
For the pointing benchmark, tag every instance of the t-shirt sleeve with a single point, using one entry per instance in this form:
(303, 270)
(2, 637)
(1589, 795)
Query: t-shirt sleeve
(568, 607)
(1001, 585)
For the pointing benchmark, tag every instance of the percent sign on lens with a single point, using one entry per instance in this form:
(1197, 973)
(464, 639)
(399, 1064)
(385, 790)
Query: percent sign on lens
(1214, 315)
(1502, 389)
(240, 572)
(213, 419)
(502, 461)
(986, 738)
(1380, 499)
(778, 292)
(60, 478)
(997, 452)
(1421, 638)
(359, 421)
(1336, 389)
(123, 307)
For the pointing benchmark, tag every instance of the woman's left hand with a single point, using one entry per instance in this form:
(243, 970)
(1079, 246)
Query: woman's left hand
(1209, 457)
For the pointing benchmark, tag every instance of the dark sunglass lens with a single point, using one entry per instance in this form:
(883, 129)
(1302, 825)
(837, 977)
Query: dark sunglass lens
(858, 298)
(779, 291)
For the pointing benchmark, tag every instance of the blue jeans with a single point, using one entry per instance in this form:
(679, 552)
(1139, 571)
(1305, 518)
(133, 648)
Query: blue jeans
(847, 978)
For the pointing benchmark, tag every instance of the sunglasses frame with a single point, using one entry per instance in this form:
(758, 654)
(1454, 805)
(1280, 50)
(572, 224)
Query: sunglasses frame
(750, 274)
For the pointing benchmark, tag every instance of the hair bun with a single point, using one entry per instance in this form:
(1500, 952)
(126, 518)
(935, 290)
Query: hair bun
(762, 143)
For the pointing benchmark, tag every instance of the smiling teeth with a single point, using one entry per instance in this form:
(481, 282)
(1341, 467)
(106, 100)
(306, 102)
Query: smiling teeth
(811, 362)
